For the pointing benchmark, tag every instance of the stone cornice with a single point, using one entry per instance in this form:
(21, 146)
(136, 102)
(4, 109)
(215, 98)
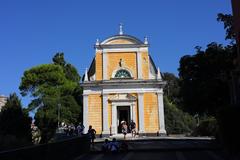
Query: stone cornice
(123, 82)
(102, 46)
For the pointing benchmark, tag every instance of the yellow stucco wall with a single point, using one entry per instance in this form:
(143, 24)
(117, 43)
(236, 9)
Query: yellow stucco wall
(145, 65)
(95, 112)
(99, 69)
(150, 112)
(129, 62)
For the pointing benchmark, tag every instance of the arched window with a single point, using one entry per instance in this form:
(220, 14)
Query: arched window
(122, 73)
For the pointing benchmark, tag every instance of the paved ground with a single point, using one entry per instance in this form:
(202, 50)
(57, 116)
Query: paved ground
(163, 148)
(156, 155)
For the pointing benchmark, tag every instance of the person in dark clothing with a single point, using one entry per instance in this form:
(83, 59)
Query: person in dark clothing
(106, 146)
(133, 128)
(92, 134)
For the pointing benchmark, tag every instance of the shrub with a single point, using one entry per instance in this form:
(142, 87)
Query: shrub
(177, 121)
(207, 127)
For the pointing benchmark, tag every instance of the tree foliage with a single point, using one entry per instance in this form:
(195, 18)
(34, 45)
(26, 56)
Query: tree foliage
(177, 121)
(52, 86)
(204, 78)
(227, 20)
(172, 88)
(15, 124)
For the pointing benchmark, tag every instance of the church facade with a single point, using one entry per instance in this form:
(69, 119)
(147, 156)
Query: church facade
(123, 83)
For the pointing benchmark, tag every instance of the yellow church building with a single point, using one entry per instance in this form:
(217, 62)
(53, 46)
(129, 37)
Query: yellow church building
(123, 83)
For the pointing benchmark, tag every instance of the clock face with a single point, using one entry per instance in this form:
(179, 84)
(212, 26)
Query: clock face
(122, 74)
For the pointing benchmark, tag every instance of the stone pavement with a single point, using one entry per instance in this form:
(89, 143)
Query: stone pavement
(161, 148)
(161, 143)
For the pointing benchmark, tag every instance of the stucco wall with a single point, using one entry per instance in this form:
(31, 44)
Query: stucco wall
(145, 65)
(95, 112)
(129, 60)
(150, 112)
(99, 69)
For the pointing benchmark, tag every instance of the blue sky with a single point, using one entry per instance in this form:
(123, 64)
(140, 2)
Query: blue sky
(31, 32)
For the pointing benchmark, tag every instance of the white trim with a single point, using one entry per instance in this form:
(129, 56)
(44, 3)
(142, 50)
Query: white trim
(114, 119)
(104, 63)
(133, 105)
(126, 37)
(105, 114)
(139, 65)
(121, 90)
(161, 114)
(141, 49)
(141, 112)
(85, 112)
(114, 112)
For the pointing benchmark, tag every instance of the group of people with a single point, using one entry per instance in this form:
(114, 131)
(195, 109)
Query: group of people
(114, 146)
(72, 130)
(132, 127)
(124, 127)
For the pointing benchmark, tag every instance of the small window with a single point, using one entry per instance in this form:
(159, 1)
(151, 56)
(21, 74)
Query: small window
(122, 73)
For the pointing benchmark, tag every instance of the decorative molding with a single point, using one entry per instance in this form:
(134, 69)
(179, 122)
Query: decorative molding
(124, 82)
(123, 68)
(125, 97)
(121, 90)
(126, 37)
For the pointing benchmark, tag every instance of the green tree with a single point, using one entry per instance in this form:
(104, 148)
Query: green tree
(15, 124)
(204, 78)
(177, 121)
(227, 20)
(172, 88)
(69, 70)
(54, 87)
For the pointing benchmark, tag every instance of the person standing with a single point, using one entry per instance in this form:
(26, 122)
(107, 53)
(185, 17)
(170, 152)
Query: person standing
(133, 128)
(80, 129)
(124, 129)
(92, 134)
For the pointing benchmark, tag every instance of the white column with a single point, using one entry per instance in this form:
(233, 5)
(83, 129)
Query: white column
(104, 63)
(161, 113)
(141, 112)
(105, 114)
(114, 119)
(131, 112)
(139, 63)
(85, 112)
